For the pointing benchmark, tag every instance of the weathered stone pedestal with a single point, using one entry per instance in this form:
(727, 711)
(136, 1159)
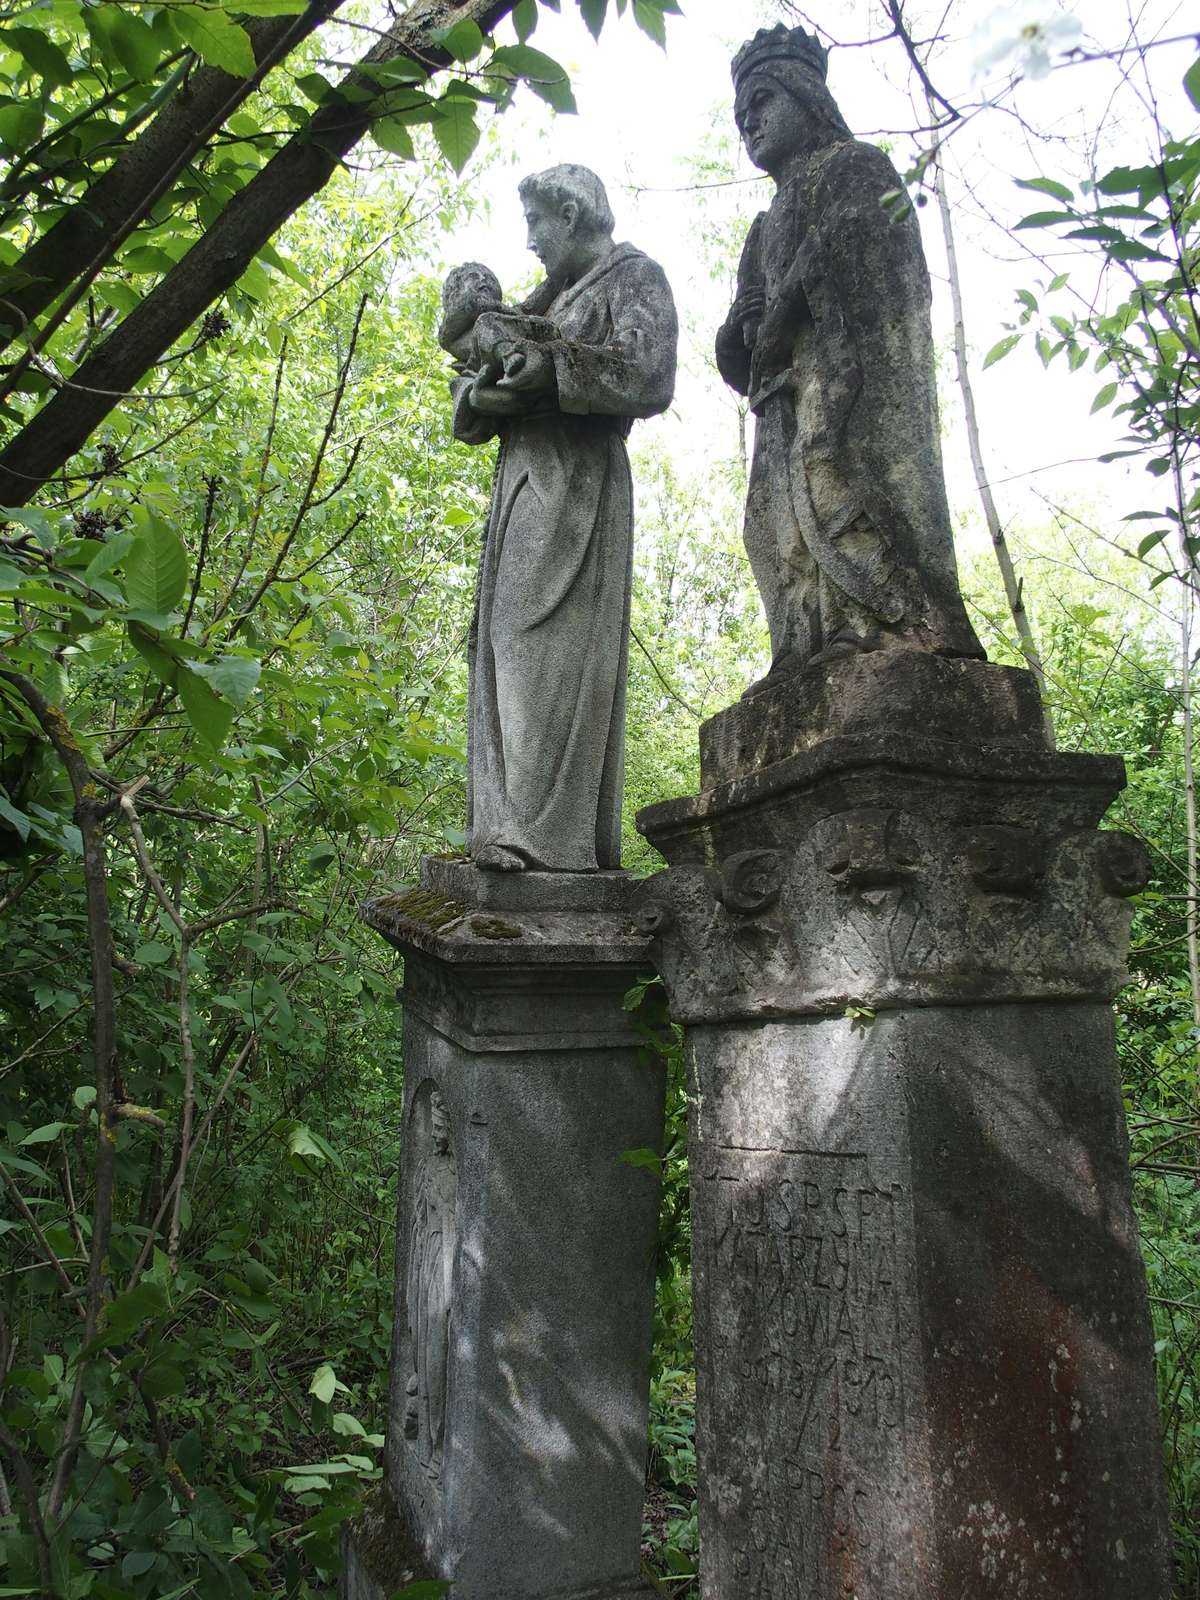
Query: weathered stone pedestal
(894, 934)
(525, 1254)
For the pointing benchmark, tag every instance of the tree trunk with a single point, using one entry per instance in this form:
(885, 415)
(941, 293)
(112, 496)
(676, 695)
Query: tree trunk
(92, 229)
(217, 261)
(1012, 585)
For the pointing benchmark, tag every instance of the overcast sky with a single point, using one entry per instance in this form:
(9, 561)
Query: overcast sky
(645, 117)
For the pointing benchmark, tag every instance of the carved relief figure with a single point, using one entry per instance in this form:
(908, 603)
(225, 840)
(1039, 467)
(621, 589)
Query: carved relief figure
(847, 525)
(560, 380)
(429, 1279)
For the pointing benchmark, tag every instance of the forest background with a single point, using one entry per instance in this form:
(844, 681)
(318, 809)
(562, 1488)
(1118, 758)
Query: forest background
(235, 581)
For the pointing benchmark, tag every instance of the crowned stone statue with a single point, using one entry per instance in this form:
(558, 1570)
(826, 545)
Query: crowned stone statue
(847, 525)
(560, 380)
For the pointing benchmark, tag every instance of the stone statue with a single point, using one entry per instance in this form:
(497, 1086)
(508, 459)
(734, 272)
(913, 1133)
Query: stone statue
(560, 380)
(847, 526)
(428, 1282)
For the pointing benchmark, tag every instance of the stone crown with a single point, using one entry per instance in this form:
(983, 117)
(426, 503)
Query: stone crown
(781, 44)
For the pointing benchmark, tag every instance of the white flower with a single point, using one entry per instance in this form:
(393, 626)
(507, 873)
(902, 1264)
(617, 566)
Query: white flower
(1022, 37)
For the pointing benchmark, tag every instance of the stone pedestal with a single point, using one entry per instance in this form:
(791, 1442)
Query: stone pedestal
(516, 1445)
(894, 933)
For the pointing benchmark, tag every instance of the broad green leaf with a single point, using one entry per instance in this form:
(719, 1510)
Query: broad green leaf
(20, 124)
(41, 52)
(594, 12)
(45, 1134)
(1191, 83)
(324, 1383)
(651, 21)
(1104, 398)
(207, 712)
(111, 553)
(215, 39)
(15, 819)
(1045, 219)
(235, 677)
(130, 1312)
(393, 137)
(1000, 350)
(456, 131)
(541, 72)
(135, 44)
(464, 40)
(1050, 186)
(156, 569)
(1151, 540)
(84, 1095)
(525, 18)
(153, 954)
(321, 856)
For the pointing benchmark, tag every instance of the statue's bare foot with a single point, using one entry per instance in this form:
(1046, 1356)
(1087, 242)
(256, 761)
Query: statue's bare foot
(499, 858)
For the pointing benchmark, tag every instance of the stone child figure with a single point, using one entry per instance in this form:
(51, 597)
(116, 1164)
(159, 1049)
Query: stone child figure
(560, 381)
(847, 525)
(486, 337)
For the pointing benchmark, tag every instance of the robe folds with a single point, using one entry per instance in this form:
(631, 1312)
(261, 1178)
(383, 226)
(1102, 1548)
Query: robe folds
(549, 643)
(847, 525)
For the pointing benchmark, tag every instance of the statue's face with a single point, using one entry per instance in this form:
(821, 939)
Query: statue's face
(773, 124)
(552, 233)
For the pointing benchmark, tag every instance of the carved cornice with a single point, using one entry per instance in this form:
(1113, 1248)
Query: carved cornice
(882, 907)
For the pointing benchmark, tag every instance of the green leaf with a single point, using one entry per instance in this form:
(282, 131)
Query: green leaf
(594, 12)
(1148, 543)
(464, 40)
(215, 39)
(153, 954)
(211, 716)
(161, 663)
(20, 124)
(456, 131)
(651, 21)
(648, 1159)
(393, 137)
(156, 568)
(1104, 398)
(1191, 83)
(15, 819)
(541, 72)
(135, 44)
(1045, 219)
(45, 1134)
(1050, 186)
(525, 18)
(999, 351)
(84, 1096)
(111, 554)
(235, 677)
(130, 1312)
(321, 856)
(324, 1383)
(41, 53)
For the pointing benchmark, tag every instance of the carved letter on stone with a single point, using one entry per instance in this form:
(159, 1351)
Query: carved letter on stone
(430, 1276)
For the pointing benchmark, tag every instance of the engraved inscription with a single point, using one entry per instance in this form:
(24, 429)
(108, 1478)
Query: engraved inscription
(801, 1256)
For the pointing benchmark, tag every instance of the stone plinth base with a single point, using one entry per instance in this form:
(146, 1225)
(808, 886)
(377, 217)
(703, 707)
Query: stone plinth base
(516, 1444)
(893, 933)
(924, 1355)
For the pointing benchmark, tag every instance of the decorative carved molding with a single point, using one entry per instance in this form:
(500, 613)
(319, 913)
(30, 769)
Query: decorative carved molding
(882, 908)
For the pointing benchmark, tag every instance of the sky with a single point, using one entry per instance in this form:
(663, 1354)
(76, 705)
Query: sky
(647, 117)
